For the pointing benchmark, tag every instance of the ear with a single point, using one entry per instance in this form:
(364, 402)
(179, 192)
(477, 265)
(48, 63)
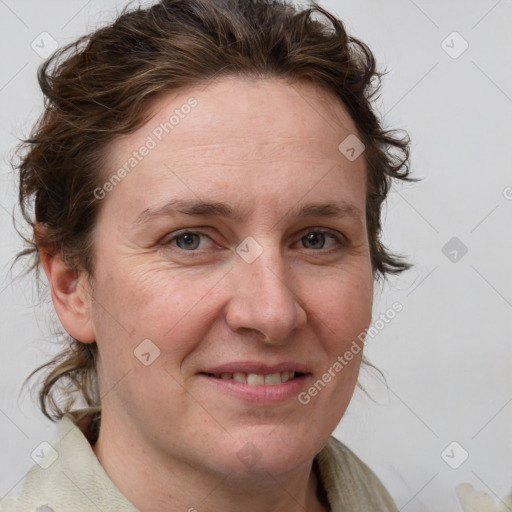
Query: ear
(70, 292)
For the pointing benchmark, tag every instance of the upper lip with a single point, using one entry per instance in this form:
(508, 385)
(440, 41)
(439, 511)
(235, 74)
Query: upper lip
(257, 367)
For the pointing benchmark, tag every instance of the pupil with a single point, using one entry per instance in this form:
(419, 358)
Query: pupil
(314, 238)
(188, 241)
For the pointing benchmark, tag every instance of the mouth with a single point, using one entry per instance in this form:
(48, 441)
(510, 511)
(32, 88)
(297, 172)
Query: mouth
(257, 379)
(258, 384)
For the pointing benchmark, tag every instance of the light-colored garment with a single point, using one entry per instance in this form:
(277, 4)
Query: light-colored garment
(479, 501)
(76, 481)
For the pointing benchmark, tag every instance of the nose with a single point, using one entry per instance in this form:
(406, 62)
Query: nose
(264, 301)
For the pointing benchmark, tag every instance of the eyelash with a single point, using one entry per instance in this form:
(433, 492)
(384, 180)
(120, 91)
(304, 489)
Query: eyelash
(340, 241)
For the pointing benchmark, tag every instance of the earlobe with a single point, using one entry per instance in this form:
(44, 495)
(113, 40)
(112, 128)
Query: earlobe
(70, 295)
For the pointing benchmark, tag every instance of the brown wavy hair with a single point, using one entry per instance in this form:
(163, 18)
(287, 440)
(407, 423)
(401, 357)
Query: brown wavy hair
(103, 85)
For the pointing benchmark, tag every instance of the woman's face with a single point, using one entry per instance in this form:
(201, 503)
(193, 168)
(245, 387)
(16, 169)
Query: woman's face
(234, 244)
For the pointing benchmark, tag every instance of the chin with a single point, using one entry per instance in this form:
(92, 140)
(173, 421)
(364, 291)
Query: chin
(275, 450)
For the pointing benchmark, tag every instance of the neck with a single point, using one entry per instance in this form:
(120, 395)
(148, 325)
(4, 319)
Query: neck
(153, 482)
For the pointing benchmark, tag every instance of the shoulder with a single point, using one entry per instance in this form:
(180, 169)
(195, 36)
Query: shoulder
(48, 484)
(69, 478)
(349, 483)
(472, 500)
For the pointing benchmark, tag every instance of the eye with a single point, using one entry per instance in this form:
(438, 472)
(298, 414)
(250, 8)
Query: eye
(187, 241)
(317, 240)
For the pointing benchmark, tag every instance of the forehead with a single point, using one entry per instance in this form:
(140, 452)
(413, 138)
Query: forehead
(238, 131)
(269, 111)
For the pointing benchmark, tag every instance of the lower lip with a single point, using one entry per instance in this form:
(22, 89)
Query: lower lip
(260, 394)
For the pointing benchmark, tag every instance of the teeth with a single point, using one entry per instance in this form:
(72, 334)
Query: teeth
(253, 379)
(273, 379)
(256, 379)
(286, 376)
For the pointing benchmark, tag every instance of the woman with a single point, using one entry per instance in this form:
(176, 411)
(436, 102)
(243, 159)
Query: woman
(207, 180)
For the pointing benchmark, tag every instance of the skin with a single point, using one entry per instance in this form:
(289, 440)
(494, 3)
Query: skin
(169, 439)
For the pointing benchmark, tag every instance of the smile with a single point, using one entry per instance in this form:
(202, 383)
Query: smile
(264, 389)
(256, 379)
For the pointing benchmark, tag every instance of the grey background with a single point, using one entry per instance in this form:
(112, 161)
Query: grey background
(447, 355)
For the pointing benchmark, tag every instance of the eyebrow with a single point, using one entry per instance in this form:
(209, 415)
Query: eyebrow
(201, 208)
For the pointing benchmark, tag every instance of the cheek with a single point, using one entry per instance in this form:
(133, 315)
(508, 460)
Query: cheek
(151, 302)
(343, 304)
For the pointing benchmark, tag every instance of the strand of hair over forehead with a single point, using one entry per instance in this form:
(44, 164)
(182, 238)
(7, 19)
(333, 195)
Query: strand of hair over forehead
(222, 19)
(256, 37)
